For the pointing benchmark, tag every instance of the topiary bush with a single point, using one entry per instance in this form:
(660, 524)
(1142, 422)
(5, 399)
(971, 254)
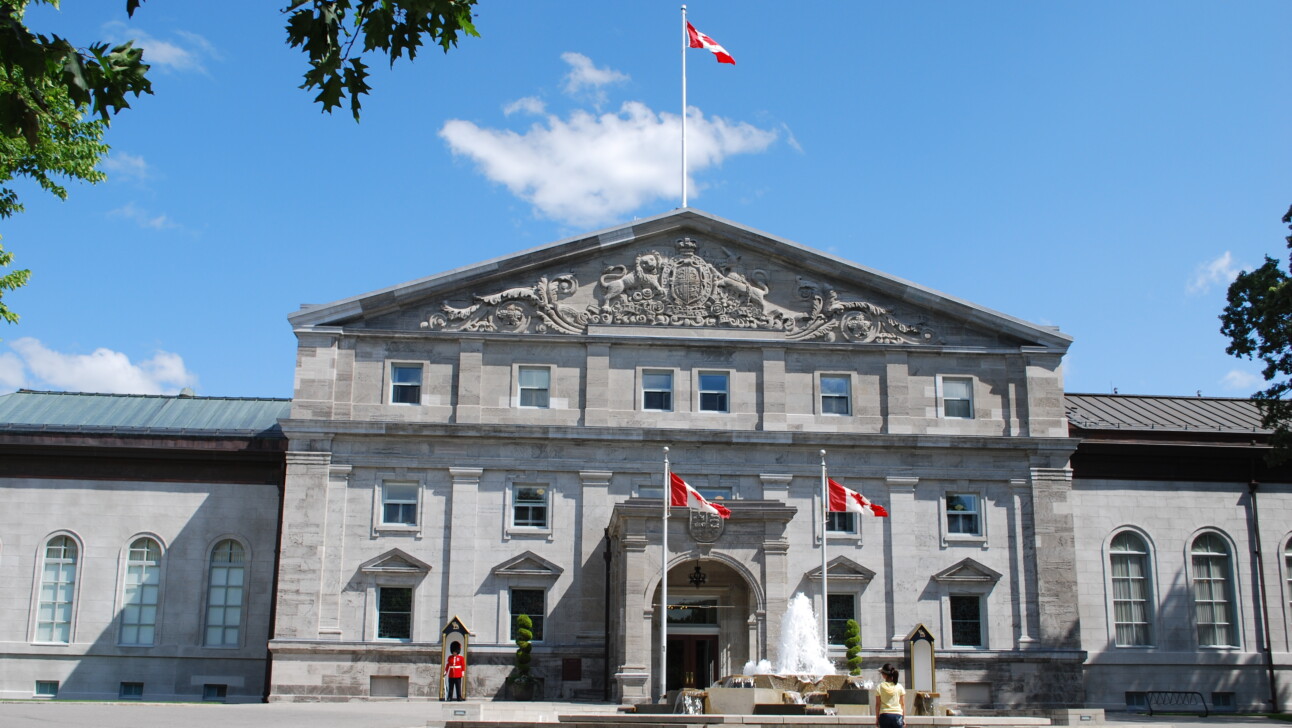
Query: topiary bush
(524, 633)
(852, 640)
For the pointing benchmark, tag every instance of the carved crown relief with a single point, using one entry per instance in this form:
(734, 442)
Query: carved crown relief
(678, 290)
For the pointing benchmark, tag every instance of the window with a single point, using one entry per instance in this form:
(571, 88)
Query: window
(215, 692)
(406, 383)
(841, 608)
(966, 620)
(1222, 701)
(140, 595)
(530, 603)
(713, 392)
(1136, 700)
(692, 611)
(957, 397)
(535, 386)
(395, 613)
(836, 394)
(224, 594)
(57, 587)
(657, 391)
(841, 522)
(529, 506)
(46, 689)
(1212, 592)
(1131, 617)
(131, 691)
(399, 503)
(963, 516)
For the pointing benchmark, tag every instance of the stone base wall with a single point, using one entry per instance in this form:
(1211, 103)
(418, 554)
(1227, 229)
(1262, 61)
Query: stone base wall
(90, 677)
(995, 680)
(1108, 685)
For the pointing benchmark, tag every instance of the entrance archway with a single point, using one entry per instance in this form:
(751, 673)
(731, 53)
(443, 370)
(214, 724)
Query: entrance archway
(713, 626)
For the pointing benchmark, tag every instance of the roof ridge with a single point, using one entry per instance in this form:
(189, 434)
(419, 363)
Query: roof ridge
(153, 396)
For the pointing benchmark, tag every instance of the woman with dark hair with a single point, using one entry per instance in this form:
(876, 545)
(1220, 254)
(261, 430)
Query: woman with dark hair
(890, 699)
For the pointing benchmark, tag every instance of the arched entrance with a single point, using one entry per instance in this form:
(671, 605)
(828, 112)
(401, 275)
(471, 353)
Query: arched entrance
(712, 624)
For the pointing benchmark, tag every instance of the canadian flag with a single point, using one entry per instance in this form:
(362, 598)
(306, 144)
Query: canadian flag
(682, 494)
(846, 499)
(700, 40)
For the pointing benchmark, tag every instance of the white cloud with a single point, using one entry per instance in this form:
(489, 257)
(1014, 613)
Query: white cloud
(591, 169)
(12, 375)
(143, 218)
(188, 53)
(1220, 271)
(1239, 380)
(529, 105)
(127, 165)
(104, 370)
(584, 75)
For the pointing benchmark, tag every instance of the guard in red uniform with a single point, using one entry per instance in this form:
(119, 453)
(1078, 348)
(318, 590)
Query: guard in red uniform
(454, 668)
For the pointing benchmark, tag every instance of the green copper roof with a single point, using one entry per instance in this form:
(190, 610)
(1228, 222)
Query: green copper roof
(143, 413)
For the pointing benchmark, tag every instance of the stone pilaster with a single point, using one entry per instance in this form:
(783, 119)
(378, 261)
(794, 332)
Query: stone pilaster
(1024, 556)
(776, 578)
(301, 551)
(333, 553)
(895, 400)
(460, 557)
(776, 487)
(1055, 558)
(591, 520)
(634, 675)
(596, 394)
(773, 411)
(904, 585)
(470, 380)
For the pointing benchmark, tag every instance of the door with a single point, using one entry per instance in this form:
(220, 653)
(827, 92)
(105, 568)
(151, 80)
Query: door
(692, 661)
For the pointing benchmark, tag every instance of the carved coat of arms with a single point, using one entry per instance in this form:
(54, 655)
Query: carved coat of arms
(705, 527)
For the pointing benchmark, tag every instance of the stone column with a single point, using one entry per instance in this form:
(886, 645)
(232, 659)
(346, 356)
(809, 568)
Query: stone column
(596, 393)
(895, 400)
(634, 675)
(904, 585)
(1024, 556)
(470, 380)
(300, 559)
(1055, 558)
(773, 414)
(460, 556)
(333, 553)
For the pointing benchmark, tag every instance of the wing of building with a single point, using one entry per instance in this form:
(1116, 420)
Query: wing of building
(491, 441)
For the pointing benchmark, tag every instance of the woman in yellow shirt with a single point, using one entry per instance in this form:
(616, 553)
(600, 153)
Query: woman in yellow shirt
(890, 699)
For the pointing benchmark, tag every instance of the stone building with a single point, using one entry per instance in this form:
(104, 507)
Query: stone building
(490, 441)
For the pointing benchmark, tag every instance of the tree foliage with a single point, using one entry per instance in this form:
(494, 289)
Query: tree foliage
(852, 641)
(1258, 322)
(48, 84)
(524, 633)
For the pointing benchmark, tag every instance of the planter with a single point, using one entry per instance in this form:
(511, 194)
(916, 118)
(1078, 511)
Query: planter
(522, 690)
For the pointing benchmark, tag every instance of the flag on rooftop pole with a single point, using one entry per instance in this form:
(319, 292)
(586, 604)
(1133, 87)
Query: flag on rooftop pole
(692, 38)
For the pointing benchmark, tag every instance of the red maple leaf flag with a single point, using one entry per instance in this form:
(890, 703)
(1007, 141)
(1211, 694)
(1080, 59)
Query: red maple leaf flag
(682, 494)
(845, 499)
(700, 40)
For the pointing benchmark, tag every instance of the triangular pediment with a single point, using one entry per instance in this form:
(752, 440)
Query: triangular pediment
(683, 273)
(395, 561)
(528, 564)
(967, 571)
(842, 568)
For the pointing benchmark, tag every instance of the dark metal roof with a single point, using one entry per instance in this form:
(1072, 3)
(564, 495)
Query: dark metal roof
(1125, 412)
(26, 410)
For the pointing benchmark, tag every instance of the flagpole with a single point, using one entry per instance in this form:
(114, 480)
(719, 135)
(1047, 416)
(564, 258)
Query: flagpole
(825, 581)
(663, 582)
(685, 45)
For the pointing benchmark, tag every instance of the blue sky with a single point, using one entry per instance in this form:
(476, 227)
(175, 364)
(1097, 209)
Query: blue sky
(1101, 166)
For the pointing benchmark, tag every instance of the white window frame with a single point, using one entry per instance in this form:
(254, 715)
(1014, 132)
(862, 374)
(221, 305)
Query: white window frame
(376, 611)
(943, 399)
(848, 398)
(944, 517)
(1230, 594)
(521, 389)
(65, 590)
(1147, 586)
(700, 391)
(141, 593)
(512, 504)
(849, 518)
(385, 498)
(244, 571)
(982, 621)
(642, 373)
(392, 384)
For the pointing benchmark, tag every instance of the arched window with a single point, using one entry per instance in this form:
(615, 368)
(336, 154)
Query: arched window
(57, 587)
(1213, 592)
(1132, 605)
(140, 593)
(224, 594)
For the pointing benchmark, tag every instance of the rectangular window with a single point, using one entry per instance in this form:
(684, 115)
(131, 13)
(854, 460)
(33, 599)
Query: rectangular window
(966, 620)
(841, 522)
(394, 613)
(842, 607)
(957, 397)
(535, 385)
(963, 517)
(713, 392)
(657, 391)
(1136, 700)
(1222, 701)
(140, 593)
(406, 383)
(131, 691)
(399, 503)
(692, 611)
(530, 603)
(47, 688)
(215, 692)
(529, 506)
(836, 394)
